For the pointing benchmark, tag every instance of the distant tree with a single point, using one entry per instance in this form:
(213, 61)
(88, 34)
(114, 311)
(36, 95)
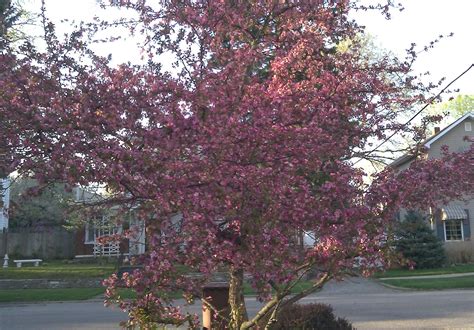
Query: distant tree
(6, 17)
(5, 23)
(456, 106)
(460, 105)
(32, 207)
(417, 242)
(12, 16)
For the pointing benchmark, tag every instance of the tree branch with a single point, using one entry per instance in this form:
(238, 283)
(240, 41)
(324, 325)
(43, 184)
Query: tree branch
(317, 286)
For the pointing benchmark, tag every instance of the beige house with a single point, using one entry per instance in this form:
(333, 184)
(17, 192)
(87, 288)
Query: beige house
(453, 222)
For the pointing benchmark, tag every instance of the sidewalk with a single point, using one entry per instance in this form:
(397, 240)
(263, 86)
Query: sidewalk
(426, 276)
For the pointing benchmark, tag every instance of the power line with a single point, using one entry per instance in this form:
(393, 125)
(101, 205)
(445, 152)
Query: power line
(419, 111)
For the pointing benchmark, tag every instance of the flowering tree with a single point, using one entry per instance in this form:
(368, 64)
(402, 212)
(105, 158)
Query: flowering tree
(246, 144)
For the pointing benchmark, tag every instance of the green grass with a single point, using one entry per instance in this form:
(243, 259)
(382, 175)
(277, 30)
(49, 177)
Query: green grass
(303, 285)
(57, 270)
(464, 282)
(33, 295)
(456, 269)
(61, 270)
(127, 293)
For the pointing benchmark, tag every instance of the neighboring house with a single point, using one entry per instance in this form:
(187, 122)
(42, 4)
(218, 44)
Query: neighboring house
(4, 202)
(52, 240)
(87, 243)
(453, 222)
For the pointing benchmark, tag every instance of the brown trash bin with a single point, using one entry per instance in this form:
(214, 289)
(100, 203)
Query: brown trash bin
(217, 294)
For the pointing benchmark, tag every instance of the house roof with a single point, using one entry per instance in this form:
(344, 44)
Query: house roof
(428, 142)
(443, 132)
(402, 160)
(453, 212)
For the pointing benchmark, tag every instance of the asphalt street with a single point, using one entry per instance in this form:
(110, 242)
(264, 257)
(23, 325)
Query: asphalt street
(367, 304)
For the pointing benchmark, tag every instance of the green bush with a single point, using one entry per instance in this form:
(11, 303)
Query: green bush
(416, 242)
(310, 316)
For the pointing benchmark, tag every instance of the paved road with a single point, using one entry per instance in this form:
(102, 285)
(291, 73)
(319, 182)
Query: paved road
(56, 316)
(367, 304)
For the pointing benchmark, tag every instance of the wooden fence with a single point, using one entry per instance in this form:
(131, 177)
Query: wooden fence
(41, 242)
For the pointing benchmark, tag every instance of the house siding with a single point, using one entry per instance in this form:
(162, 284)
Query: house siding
(80, 247)
(454, 140)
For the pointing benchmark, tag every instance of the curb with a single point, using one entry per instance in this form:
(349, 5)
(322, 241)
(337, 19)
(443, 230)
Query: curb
(398, 288)
(422, 277)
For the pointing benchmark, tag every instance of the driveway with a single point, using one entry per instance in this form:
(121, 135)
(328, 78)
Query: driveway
(367, 304)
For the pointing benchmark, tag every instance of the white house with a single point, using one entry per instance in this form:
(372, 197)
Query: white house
(103, 225)
(4, 203)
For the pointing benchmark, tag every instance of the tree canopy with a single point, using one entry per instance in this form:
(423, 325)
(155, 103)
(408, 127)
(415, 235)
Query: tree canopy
(249, 141)
(456, 106)
(44, 207)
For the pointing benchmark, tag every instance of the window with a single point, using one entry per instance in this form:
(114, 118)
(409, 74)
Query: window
(453, 230)
(468, 126)
(97, 227)
(92, 229)
(309, 238)
(90, 234)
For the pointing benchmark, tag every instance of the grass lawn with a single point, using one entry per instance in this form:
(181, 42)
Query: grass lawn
(32, 295)
(456, 269)
(60, 270)
(464, 282)
(57, 270)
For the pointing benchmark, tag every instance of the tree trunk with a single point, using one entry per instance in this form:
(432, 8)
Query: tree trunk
(238, 311)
